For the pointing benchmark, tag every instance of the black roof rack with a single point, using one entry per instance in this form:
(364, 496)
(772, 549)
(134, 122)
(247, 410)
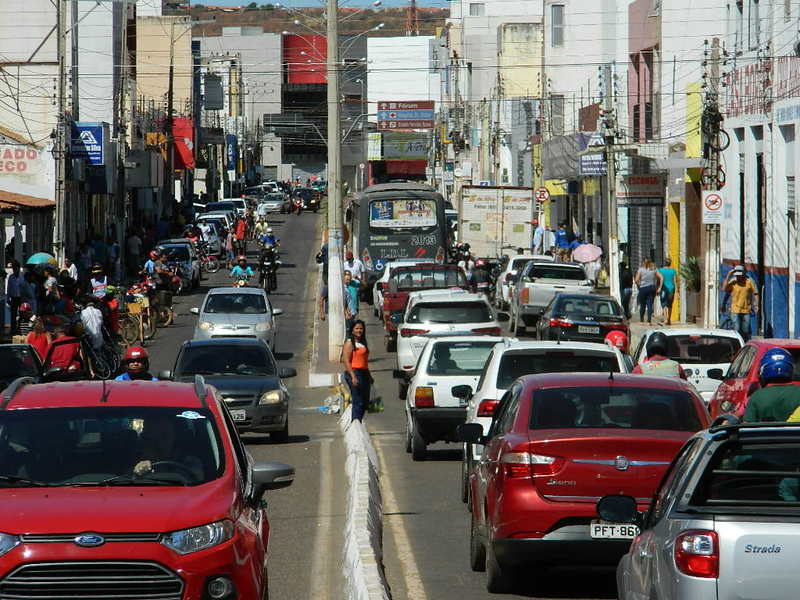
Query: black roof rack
(725, 420)
(11, 390)
(200, 389)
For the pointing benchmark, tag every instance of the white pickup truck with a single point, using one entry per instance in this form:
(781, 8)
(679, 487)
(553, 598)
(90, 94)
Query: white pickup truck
(535, 287)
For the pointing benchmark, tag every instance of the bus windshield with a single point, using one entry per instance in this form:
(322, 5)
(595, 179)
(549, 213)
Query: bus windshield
(387, 215)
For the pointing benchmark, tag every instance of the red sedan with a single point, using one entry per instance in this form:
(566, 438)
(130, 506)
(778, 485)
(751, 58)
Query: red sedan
(557, 444)
(743, 376)
(129, 490)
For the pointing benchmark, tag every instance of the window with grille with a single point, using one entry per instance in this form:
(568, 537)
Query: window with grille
(477, 9)
(557, 25)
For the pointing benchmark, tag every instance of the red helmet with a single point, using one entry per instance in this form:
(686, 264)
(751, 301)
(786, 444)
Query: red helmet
(139, 354)
(618, 340)
(25, 307)
(153, 255)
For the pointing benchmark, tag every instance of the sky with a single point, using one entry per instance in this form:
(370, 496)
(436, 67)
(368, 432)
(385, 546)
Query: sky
(316, 3)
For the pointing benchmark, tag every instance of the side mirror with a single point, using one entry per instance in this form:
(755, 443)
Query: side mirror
(269, 476)
(194, 310)
(503, 317)
(398, 374)
(379, 285)
(397, 319)
(715, 374)
(471, 433)
(277, 312)
(52, 373)
(618, 509)
(462, 392)
(286, 372)
(165, 375)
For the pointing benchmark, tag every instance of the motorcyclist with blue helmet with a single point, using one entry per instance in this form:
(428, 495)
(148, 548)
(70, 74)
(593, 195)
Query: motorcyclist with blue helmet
(268, 239)
(778, 398)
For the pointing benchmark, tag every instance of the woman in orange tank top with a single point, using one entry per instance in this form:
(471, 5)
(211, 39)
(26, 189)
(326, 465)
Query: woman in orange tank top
(355, 356)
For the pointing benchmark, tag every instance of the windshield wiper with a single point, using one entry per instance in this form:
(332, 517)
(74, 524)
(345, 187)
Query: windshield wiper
(23, 480)
(128, 479)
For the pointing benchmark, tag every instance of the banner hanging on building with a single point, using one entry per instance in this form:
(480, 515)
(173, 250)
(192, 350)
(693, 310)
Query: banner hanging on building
(231, 152)
(88, 141)
(183, 134)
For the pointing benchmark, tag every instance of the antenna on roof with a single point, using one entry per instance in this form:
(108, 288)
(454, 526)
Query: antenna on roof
(200, 389)
(104, 395)
(611, 375)
(11, 390)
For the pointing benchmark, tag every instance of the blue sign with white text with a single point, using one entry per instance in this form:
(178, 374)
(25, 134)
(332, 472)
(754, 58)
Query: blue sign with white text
(232, 151)
(87, 141)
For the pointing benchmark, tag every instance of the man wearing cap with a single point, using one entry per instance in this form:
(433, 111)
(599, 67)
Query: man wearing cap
(744, 299)
(355, 266)
(538, 237)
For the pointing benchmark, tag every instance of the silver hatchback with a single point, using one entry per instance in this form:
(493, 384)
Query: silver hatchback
(724, 523)
(232, 312)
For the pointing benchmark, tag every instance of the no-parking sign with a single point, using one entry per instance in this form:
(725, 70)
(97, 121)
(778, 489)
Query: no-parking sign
(713, 203)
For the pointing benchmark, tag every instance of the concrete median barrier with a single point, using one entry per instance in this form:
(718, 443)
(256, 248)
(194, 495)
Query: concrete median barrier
(363, 547)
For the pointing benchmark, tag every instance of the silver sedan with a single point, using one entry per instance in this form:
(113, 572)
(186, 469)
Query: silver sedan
(231, 312)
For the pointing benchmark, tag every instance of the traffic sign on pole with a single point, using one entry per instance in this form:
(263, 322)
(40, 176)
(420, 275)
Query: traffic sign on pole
(713, 203)
(541, 194)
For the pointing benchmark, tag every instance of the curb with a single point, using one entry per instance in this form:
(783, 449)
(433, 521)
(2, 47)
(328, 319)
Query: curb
(363, 554)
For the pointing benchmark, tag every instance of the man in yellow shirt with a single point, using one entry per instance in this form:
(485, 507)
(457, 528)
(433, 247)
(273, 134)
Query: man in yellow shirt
(744, 300)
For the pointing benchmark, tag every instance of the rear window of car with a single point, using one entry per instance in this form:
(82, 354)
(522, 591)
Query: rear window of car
(410, 279)
(450, 312)
(565, 272)
(18, 361)
(516, 364)
(576, 306)
(177, 253)
(747, 474)
(614, 407)
(236, 304)
(702, 349)
(228, 360)
(519, 263)
(459, 358)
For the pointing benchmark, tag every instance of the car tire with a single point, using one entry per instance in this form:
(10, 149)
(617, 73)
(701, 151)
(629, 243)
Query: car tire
(499, 580)
(465, 473)
(390, 343)
(511, 321)
(408, 438)
(282, 436)
(419, 449)
(402, 390)
(477, 551)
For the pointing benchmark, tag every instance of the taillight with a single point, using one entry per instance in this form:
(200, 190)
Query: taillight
(697, 553)
(487, 331)
(524, 295)
(617, 327)
(423, 397)
(561, 323)
(440, 255)
(486, 408)
(413, 332)
(525, 464)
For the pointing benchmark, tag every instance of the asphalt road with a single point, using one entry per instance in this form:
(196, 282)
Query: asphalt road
(307, 518)
(426, 526)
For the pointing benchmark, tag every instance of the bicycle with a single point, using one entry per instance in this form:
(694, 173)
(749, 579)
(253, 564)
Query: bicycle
(137, 324)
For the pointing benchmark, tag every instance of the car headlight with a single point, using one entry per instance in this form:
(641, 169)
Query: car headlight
(194, 539)
(263, 326)
(206, 326)
(273, 397)
(7, 543)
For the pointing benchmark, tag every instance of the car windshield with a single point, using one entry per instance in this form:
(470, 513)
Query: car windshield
(450, 312)
(274, 197)
(459, 358)
(220, 206)
(611, 406)
(177, 253)
(411, 279)
(539, 271)
(702, 349)
(518, 264)
(18, 361)
(236, 304)
(231, 360)
(576, 306)
(747, 474)
(102, 445)
(516, 364)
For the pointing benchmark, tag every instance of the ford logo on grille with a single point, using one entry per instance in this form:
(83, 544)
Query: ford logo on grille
(89, 540)
(622, 463)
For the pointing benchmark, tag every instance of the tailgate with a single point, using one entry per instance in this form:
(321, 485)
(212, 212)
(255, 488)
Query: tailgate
(604, 461)
(540, 293)
(758, 558)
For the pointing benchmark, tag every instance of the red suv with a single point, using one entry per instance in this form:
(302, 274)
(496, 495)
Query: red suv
(557, 444)
(129, 490)
(742, 378)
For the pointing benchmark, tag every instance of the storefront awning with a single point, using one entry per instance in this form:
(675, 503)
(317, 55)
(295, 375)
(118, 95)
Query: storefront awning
(10, 201)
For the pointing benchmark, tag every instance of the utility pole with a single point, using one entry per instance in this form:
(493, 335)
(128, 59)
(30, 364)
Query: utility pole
(62, 131)
(170, 138)
(712, 232)
(610, 126)
(336, 330)
(73, 32)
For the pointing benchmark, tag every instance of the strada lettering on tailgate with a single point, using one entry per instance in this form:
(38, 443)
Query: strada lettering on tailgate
(751, 549)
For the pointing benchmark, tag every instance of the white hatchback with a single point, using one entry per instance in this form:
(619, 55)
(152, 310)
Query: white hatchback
(432, 412)
(513, 359)
(698, 351)
(436, 313)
